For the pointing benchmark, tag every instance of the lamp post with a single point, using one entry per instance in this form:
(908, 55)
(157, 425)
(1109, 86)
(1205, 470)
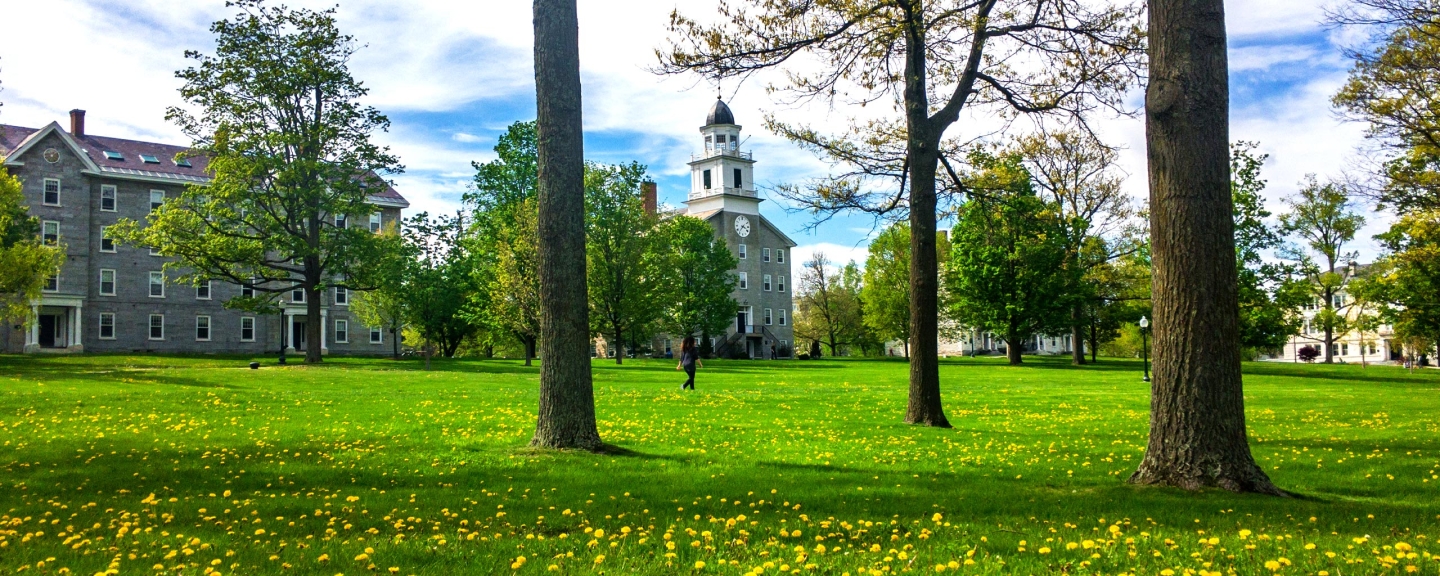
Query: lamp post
(1144, 346)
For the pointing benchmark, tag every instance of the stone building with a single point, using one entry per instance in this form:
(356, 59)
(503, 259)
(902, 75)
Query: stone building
(722, 192)
(109, 297)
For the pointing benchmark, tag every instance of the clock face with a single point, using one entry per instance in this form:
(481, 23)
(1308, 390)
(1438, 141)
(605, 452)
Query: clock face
(742, 226)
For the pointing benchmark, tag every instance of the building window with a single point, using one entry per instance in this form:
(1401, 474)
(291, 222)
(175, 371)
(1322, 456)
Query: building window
(297, 295)
(376, 336)
(739, 182)
(157, 326)
(780, 284)
(743, 252)
(342, 295)
(157, 284)
(52, 284)
(52, 192)
(765, 283)
(49, 232)
(375, 222)
(342, 331)
(764, 254)
(157, 197)
(706, 177)
(107, 282)
(769, 318)
(780, 255)
(202, 290)
(107, 326)
(247, 290)
(107, 198)
(744, 281)
(1344, 348)
(107, 244)
(202, 328)
(782, 316)
(247, 329)
(340, 221)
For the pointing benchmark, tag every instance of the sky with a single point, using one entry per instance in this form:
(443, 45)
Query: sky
(452, 75)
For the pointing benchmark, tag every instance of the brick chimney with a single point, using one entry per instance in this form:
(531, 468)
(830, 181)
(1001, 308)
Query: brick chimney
(77, 123)
(648, 197)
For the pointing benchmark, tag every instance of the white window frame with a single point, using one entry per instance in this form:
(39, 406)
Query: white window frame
(743, 251)
(764, 254)
(342, 296)
(101, 328)
(293, 292)
(152, 327)
(247, 320)
(247, 290)
(766, 282)
(45, 192)
(101, 283)
(203, 322)
(779, 255)
(780, 284)
(153, 274)
(744, 281)
(377, 336)
(782, 316)
(377, 223)
(114, 197)
(46, 224)
(209, 288)
(341, 221)
(342, 331)
(104, 237)
(153, 203)
(52, 284)
(769, 317)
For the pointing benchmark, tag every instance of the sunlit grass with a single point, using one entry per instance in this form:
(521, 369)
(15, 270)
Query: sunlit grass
(151, 464)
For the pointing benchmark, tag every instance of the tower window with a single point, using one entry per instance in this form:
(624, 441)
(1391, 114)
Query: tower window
(706, 177)
(743, 252)
(739, 180)
(720, 139)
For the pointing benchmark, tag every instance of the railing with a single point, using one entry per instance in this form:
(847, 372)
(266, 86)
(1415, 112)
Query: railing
(708, 192)
(713, 152)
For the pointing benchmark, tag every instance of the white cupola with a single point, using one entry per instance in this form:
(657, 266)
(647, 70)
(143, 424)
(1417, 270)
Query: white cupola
(722, 174)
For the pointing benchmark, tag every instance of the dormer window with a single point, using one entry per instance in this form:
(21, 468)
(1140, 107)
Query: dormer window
(182, 162)
(113, 155)
(149, 159)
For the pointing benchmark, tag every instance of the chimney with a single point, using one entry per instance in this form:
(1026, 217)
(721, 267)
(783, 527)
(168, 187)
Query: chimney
(648, 197)
(77, 123)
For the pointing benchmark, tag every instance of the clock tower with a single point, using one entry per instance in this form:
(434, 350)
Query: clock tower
(721, 175)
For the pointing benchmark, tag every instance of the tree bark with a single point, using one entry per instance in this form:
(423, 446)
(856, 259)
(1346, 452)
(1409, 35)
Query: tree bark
(1013, 350)
(395, 342)
(924, 406)
(1197, 405)
(529, 344)
(1077, 337)
(567, 396)
(313, 323)
(619, 348)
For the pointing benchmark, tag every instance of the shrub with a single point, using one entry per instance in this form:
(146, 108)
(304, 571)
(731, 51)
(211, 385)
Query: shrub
(1308, 353)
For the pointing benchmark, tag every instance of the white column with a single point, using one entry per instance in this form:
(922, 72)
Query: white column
(289, 331)
(76, 327)
(34, 339)
(324, 320)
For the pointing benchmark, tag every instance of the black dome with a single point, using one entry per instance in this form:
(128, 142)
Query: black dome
(720, 114)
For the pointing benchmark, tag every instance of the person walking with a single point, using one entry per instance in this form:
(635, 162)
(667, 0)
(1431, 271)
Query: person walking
(689, 359)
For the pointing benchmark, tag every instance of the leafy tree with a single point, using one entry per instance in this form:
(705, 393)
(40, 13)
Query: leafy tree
(1007, 271)
(1120, 296)
(886, 291)
(1268, 298)
(930, 62)
(1324, 218)
(827, 305)
(1197, 417)
(501, 186)
(384, 306)
(700, 278)
(625, 262)
(1406, 280)
(567, 395)
(440, 283)
(25, 262)
(1078, 174)
(280, 121)
(515, 286)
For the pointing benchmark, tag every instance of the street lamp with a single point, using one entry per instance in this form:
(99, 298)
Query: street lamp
(1144, 347)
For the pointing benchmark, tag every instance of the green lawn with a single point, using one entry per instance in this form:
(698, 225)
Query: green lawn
(142, 464)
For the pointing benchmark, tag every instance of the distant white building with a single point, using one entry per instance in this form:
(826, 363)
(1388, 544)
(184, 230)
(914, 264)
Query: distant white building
(1350, 347)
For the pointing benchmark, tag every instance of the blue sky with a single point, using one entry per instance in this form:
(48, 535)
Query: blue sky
(452, 76)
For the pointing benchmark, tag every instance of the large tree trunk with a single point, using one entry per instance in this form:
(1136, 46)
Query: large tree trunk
(529, 344)
(395, 342)
(619, 348)
(314, 340)
(924, 406)
(1329, 344)
(1077, 337)
(1013, 349)
(1197, 407)
(567, 395)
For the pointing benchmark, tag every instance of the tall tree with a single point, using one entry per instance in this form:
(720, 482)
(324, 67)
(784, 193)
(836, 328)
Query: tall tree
(625, 262)
(1324, 218)
(515, 282)
(932, 61)
(25, 260)
(827, 307)
(567, 395)
(1197, 402)
(699, 278)
(384, 307)
(1407, 279)
(886, 293)
(1268, 296)
(279, 119)
(501, 189)
(441, 282)
(1078, 172)
(1007, 272)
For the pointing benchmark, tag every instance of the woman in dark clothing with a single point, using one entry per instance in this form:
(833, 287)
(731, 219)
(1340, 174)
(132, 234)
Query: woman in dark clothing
(689, 359)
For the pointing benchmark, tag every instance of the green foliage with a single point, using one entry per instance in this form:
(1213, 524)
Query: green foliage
(1007, 272)
(25, 263)
(515, 285)
(1325, 219)
(886, 292)
(625, 260)
(828, 307)
(1269, 299)
(440, 283)
(502, 189)
(701, 278)
(1406, 281)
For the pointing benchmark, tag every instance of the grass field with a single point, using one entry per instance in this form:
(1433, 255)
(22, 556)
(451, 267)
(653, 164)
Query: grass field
(197, 465)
